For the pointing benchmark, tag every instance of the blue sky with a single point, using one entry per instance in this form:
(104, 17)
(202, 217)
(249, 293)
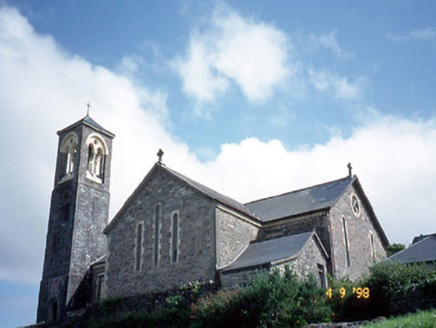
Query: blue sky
(251, 98)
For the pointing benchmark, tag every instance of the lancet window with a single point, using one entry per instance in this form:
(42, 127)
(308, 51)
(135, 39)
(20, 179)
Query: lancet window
(138, 250)
(175, 237)
(157, 223)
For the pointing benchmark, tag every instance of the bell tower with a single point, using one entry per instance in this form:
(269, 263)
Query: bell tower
(78, 214)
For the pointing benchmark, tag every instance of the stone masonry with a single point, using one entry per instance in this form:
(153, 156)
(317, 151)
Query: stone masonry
(196, 260)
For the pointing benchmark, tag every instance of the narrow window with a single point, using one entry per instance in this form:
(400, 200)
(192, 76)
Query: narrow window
(371, 240)
(347, 251)
(321, 274)
(175, 238)
(98, 164)
(100, 281)
(52, 314)
(91, 158)
(138, 246)
(157, 217)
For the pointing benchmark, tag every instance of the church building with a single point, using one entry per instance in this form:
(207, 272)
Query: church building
(173, 230)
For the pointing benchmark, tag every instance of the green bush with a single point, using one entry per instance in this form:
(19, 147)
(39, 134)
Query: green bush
(389, 281)
(270, 300)
(390, 285)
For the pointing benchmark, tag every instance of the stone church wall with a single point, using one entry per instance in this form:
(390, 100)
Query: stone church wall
(359, 229)
(233, 235)
(307, 261)
(317, 222)
(196, 250)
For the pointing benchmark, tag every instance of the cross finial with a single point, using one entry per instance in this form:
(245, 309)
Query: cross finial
(160, 154)
(88, 106)
(350, 170)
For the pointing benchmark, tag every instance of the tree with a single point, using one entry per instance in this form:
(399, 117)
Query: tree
(394, 248)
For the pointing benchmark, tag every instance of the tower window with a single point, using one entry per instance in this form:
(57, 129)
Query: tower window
(175, 237)
(97, 152)
(157, 219)
(138, 251)
(68, 152)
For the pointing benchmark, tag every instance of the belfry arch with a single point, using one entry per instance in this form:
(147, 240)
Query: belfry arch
(69, 150)
(96, 157)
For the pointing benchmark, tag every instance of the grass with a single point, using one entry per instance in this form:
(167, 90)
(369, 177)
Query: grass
(422, 319)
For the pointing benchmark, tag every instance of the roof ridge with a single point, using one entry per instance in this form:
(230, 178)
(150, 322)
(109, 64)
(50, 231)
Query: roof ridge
(209, 192)
(298, 190)
(278, 238)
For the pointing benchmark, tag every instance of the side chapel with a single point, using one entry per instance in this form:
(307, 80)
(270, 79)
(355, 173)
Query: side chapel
(173, 230)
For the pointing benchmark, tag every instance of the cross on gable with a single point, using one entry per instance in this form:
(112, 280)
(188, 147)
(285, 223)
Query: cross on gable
(88, 106)
(159, 155)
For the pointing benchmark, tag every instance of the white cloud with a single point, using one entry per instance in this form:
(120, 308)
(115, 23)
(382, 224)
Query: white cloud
(234, 49)
(200, 78)
(425, 34)
(334, 85)
(328, 41)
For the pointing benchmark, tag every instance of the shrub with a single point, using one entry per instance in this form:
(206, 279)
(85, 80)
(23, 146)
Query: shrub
(270, 300)
(389, 281)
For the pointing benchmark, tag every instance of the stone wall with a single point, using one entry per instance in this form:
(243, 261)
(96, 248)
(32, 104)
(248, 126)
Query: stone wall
(238, 278)
(305, 263)
(317, 222)
(359, 229)
(196, 251)
(233, 234)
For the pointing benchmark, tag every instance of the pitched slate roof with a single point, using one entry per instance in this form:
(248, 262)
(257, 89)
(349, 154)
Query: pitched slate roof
(421, 237)
(306, 200)
(265, 252)
(210, 192)
(422, 251)
(87, 120)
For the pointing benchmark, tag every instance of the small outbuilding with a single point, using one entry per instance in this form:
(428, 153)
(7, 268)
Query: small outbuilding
(303, 253)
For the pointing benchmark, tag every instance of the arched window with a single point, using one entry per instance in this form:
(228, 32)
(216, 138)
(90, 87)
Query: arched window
(68, 156)
(346, 241)
(175, 237)
(138, 246)
(97, 151)
(52, 314)
(157, 219)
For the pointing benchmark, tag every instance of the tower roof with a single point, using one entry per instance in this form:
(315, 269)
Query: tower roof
(87, 120)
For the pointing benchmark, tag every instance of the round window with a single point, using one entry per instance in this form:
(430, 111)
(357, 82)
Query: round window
(355, 205)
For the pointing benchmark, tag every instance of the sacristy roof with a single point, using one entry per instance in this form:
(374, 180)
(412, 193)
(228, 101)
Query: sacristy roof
(301, 201)
(265, 252)
(422, 251)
